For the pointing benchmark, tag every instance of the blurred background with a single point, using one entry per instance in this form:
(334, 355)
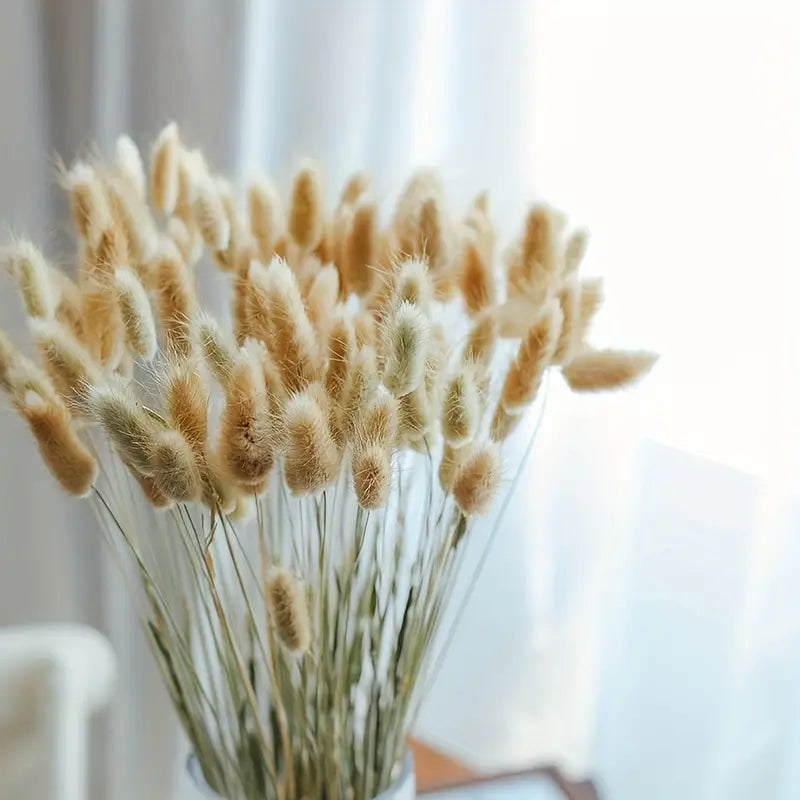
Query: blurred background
(639, 617)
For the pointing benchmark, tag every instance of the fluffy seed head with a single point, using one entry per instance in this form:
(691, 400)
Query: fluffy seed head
(151, 490)
(482, 340)
(187, 401)
(357, 184)
(288, 610)
(360, 244)
(448, 466)
(568, 298)
(129, 164)
(176, 300)
(575, 251)
(503, 423)
(590, 298)
(30, 271)
(137, 316)
(164, 167)
(312, 458)
(477, 281)
(266, 217)
(404, 339)
(595, 370)
(359, 387)
(306, 218)
(91, 213)
(412, 284)
(216, 345)
(173, 466)
(477, 478)
(378, 422)
(321, 299)
(68, 459)
(462, 406)
(9, 357)
(371, 476)
(132, 220)
(341, 348)
(209, 214)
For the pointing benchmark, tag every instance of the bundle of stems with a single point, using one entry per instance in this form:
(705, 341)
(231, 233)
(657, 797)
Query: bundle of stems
(289, 488)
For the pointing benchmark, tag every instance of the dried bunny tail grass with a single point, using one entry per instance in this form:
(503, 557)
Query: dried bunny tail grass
(372, 472)
(411, 283)
(288, 610)
(503, 423)
(422, 185)
(448, 465)
(306, 214)
(126, 423)
(291, 338)
(67, 458)
(590, 299)
(366, 330)
(482, 339)
(266, 216)
(321, 299)
(535, 354)
(533, 268)
(69, 308)
(173, 467)
(129, 164)
(176, 301)
(596, 370)
(403, 347)
(137, 316)
(341, 348)
(217, 490)
(210, 214)
(477, 478)
(151, 490)
(91, 213)
(186, 238)
(133, 219)
(575, 251)
(431, 243)
(361, 383)
(9, 359)
(360, 246)
(187, 399)
(31, 273)
(164, 168)
(568, 340)
(461, 409)
(357, 184)
(312, 457)
(216, 345)
(479, 223)
(66, 362)
(245, 440)
(476, 279)
(378, 423)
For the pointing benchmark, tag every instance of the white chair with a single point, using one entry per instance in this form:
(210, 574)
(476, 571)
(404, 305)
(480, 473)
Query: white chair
(51, 679)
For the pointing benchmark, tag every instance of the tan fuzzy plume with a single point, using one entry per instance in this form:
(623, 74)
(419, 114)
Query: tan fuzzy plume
(312, 457)
(357, 184)
(68, 459)
(151, 490)
(137, 316)
(128, 161)
(164, 168)
(476, 279)
(569, 301)
(126, 423)
(503, 423)
(482, 340)
(403, 348)
(186, 238)
(575, 251)
(288, 610)
(535, 354)
(173, 467)
(431, 241)
(30, 271)
(378, 421)
(371, 476)
(187, 399)
(360, 245)
(68, 365)
(245, 441)
(341, 348)
(477, 478)
(176, 301)
(590, 298)
(266, 217)
(596, 370)
(411, 283)
(448, 466)
(461, 410)
(321, 299)
(91, 213)
(306, 213)
(210, 214)
(69, 308)
(216, 345)
(534, 275)
(217, 490)
(133, 220)
(9, 358)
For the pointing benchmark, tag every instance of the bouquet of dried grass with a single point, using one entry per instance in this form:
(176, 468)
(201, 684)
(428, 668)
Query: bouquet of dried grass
(290, 491)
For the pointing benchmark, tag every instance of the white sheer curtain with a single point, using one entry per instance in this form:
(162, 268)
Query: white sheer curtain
(637, 616)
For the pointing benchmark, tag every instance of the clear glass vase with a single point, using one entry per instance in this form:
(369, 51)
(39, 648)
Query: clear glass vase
(404, 788)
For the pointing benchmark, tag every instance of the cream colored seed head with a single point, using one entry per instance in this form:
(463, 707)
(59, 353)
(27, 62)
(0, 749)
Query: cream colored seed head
(357, 184)
(341, 348)
(174, 469)
(288, 610)
(321, 299)
(359, 249)
(590, 298)
(379, 420)
(30, 271)
(448, 466)
(596, 370)
(132, 219)
(412, 284)
(476, 279)
(503, 423)
(477, 478)
(9, 357)
(151, 490)
(176, 301)
(216, 345)
(137, 316)
(462, 406)
(306, 214)
(482, 339)
(187, 401)
(404, 340)
(371, 475)
(312, 458)
(359, 387)
(569, 301)
(210, 214)
(164, 167)
(266, 216)
(91, 213)
(575, 251)
(128, 161)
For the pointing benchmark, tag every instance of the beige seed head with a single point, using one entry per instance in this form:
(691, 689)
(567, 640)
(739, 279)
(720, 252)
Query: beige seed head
(210, 215)
(448, 466)
(69, 310)
(535, 354)
(68, 459)
(366, 330)
(461, 410)
(217, 490)
(128, 161)
(68, 365)
(589, 301)
(266, 217)
(539, 264)
(306, 214)
(569, 301)
(91, 213)
(187, 399)
(176, 300)
(575, 251)
(482, 340)
(503, 423)
(137, 316)
(245, 442)
(341, 348)
(216, 345)
(404, 339)
(312, 457)
(595, 370)
(477, 478)
(321, 299)
(476, 279)
(132, 219)
(186, 238)
(371, 475)
(359, 249)
(357, 184)
(30, 271)
(9, 358)
(288, 610)
(164, 168)
(151, 490)
(126, 423)
(412, 284)
(174, 469)
(379, 421)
